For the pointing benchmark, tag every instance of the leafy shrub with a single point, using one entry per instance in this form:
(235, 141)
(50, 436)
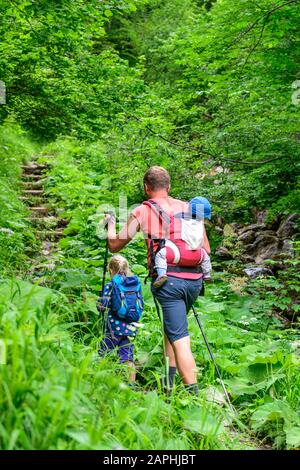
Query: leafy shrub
(15, 233)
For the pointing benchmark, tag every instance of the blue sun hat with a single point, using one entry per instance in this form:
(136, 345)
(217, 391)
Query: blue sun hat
(200, 208)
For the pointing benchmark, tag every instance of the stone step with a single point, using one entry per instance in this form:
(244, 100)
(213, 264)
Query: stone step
(33, 184)
(39, 209)
(50, 236)
(33, 192)
(33, 168)
(56, 235)
(31, 201)
(33, 176)
(47, 248)
(43, 267)
(41, 220)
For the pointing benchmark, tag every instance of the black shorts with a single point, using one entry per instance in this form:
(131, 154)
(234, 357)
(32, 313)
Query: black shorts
(176, 297)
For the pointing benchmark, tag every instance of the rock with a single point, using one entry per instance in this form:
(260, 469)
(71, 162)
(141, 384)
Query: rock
(275, 223)
(220, 221)
(230, 230)
(252, 227)
(271, 233)
(255, 271)
(264, 247)
(263, 240)
(285, 250)
(288, 227)
(223, 253)
(247, 237)
(261, 216)
(287, 247)
(246, 258)
(219, 230)
(266, 252)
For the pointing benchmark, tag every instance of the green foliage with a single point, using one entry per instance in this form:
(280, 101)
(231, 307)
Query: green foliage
(64, 79)
(15, 233)
(283, 423)
(117, 87)
(227, 88)
(56, 395)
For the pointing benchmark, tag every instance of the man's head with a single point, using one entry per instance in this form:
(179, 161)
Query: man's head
(156, 180)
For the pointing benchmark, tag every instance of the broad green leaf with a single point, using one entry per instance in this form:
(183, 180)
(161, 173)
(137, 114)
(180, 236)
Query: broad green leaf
(292, 436)
(202, 421)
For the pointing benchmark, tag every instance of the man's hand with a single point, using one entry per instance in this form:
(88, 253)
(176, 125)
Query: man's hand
(117, 242)
(109, 218)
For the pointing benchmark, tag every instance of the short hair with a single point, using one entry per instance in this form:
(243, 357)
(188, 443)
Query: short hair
(119, 265)
(156, 178)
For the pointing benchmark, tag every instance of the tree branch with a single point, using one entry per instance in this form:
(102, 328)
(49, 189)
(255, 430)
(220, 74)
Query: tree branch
(205, 152)
(176, 144)
(265, 18)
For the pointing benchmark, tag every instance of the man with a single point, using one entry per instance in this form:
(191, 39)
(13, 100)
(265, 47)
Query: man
(180, 292)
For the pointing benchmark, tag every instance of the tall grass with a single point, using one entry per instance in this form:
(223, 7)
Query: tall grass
(56, 394)
(15, 233)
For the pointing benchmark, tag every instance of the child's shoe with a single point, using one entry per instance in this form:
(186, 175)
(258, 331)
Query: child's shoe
(207, 278)
(160, 281)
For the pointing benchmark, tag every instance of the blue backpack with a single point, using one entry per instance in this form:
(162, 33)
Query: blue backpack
(126, 298)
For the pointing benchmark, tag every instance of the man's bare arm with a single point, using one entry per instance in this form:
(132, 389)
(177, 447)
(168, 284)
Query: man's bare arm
(126, 234)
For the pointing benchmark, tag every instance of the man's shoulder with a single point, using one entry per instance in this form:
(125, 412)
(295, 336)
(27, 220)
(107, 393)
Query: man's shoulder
(137, 210)
(169, 204)
(173, 200)
(176, 205)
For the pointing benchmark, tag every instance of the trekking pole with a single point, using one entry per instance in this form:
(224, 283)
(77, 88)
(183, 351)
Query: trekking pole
(214, 361)
(104, 266)
(104, 276)
(167, 360)
(106, 252)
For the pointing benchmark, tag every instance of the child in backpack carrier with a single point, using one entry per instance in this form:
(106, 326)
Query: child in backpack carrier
(121, 305)
(199, 209)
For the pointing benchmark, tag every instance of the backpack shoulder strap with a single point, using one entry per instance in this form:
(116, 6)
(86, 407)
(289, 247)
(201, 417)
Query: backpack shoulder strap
(162, 214)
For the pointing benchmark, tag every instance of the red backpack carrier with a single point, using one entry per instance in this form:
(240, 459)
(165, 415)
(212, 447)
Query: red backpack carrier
(187, 236)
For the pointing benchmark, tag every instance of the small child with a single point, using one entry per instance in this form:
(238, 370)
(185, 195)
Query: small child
(121, 310)
(199, 209)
